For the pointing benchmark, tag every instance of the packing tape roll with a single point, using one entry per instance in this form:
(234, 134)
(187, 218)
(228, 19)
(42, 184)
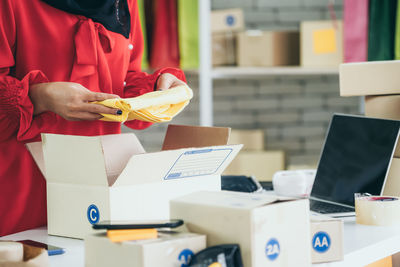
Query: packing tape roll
(377, 210)
(11, 251)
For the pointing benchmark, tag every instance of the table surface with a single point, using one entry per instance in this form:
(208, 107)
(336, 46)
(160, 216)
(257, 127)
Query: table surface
(362, 245)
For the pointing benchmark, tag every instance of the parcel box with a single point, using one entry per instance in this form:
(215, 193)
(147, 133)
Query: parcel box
(227, 20)
(271, 231)
(321, 43)
(261, 164)
(370, 78)
(170, 249)
(392, 183)
(326, 239)
(252, 140)
(267, 48)
(223, 49)
(112, 178)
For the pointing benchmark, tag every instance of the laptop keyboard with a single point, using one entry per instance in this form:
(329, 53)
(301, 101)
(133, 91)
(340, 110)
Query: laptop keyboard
(325, 207)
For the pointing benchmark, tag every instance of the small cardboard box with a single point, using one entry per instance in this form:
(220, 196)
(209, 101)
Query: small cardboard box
(252, 140)
(392, 184)
(383, 106)
(267, 49)
(326, 239)
(369, 78)
(321, 43)
(227, 20)
(112, 178)
(168, 250)
(261, 164)
(223, 49)
(271, 231)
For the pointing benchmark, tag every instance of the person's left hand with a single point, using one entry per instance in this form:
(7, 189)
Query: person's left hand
(167, 81)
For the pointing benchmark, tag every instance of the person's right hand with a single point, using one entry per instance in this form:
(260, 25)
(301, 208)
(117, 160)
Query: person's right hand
(69, 100)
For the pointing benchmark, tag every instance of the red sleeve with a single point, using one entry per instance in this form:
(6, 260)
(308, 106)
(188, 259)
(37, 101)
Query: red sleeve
(138, 82)
(16, 109)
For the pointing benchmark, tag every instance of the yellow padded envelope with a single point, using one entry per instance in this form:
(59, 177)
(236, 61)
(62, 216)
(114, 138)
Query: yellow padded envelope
(157, 106)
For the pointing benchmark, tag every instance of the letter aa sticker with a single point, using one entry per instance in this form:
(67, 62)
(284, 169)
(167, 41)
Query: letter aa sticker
(185, 256)
(321, 242)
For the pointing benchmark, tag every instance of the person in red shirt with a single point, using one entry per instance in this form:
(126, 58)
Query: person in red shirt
(56, 56)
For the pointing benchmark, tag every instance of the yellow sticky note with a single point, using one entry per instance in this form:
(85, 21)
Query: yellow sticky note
(324, 41)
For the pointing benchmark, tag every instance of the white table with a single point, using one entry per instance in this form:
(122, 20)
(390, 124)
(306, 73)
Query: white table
(362, 245)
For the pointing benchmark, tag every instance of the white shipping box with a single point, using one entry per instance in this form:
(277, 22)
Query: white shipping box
(271, 231)
(326, 239)
(369, 78)
(112, 178)
(168, 250)
(227, 20)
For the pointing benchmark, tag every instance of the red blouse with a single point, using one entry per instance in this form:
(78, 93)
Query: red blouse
(39, 43)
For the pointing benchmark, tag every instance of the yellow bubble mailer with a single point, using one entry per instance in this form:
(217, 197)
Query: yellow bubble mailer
(157, 106)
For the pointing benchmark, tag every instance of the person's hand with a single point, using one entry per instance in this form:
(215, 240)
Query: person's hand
(167, 81)
(69, 100)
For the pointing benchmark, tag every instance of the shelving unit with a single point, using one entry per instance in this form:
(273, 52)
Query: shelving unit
(207, 73)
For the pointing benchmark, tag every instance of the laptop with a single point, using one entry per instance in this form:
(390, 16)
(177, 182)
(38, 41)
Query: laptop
(355, 159)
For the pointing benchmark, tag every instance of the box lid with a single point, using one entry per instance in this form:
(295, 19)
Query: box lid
(96, 160)
(173, 165)
(228, 199)
(183, 136)
(369, 78)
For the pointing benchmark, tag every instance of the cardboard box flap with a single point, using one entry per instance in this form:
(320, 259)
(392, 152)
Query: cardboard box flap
(228, 199)
(182, 136)
(37, 153)
(118, 149)
(95, 160)
(177, 164)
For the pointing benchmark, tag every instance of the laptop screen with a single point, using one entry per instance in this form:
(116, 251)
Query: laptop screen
(355, 158)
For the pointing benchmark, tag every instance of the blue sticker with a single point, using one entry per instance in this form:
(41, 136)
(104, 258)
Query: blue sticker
(272, 249)
(93, 214)
(321, 242)
(185, 257)
(230, 20)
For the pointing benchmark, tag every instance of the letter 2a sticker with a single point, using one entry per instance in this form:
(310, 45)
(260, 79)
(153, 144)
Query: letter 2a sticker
(273, 249)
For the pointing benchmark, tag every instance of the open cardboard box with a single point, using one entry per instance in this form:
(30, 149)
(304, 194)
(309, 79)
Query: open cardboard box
(112, 178)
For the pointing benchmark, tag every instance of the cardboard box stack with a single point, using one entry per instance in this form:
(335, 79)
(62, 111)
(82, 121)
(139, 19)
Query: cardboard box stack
(112, 178)
(271, 231)
(253, 159)
(224, 26)
(321, 43)
(378, 82)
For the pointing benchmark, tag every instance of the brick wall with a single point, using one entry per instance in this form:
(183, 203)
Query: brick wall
(294, 111)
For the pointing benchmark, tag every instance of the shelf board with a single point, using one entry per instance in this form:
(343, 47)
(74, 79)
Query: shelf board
(254, 72)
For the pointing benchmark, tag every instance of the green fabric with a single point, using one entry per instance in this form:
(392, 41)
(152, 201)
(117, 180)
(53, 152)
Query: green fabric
(145, 60)
(397, 36)
(188, 33)
(381, 29)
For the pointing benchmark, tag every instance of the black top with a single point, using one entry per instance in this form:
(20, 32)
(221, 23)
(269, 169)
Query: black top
(112, 14)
